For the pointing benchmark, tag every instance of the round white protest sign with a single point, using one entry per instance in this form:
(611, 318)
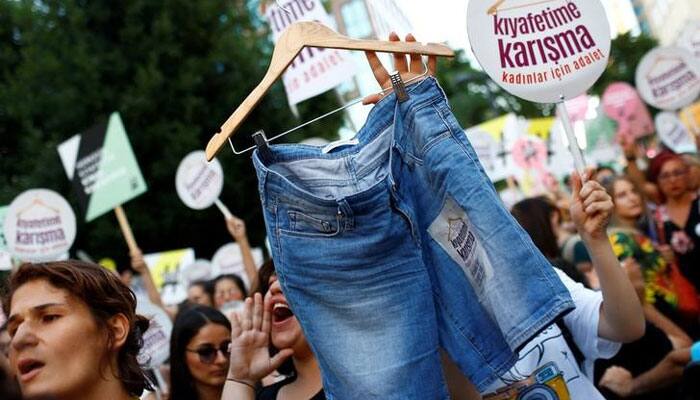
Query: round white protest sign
(199, 270)
(673, 134)
(690, 38)
(229, 260)
(156, 339)
(542, 51)
(668, 78)
(39, 226)
(199, 182)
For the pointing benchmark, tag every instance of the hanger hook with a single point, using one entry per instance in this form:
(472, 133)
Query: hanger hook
(282, 8)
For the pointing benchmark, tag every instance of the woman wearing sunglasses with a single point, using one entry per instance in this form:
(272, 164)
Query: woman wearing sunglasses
(199, 354)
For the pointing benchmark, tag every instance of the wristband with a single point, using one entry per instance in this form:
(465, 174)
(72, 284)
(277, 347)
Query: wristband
(241, 382)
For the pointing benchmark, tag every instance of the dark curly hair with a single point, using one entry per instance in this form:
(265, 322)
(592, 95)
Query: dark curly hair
(105, 296)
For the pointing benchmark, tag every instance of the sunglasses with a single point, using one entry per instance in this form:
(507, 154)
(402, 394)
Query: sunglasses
(207, 354)
(673, 174)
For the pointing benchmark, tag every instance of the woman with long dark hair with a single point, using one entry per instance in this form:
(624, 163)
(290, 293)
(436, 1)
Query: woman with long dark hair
(678, 218)
(541, 219)
(199, 354)
(75, 333)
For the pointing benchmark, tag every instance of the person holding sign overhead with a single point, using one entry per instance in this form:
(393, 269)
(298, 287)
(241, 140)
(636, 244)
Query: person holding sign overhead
(556, 362)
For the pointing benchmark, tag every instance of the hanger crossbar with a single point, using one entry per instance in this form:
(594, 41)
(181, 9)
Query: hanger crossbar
(292, 41)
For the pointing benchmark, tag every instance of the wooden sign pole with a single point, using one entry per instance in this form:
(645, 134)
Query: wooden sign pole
(126, 230)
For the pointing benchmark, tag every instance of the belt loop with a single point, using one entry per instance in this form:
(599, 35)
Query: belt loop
(345, 214)
(262, 180)
(396, 134)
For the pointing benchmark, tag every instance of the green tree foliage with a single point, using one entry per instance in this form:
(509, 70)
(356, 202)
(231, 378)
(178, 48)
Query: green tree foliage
(625, 54)
(175, 70)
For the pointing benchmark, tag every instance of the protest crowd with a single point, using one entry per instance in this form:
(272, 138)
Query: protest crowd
(393, 271)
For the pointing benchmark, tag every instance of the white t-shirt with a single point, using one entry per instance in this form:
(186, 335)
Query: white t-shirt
(551, 347)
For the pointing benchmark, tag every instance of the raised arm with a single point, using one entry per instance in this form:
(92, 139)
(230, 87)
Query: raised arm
(621, 315)
(236, 227)
(250, 355)
(139, 265)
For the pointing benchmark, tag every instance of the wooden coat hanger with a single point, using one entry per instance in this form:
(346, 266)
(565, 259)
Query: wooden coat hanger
(292, 41)
(496, 7)
(38, 202)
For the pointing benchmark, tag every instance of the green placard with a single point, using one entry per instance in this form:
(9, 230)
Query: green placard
(600, 132)
(102, 167)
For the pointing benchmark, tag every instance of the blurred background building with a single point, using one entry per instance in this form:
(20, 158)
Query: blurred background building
(665, 19)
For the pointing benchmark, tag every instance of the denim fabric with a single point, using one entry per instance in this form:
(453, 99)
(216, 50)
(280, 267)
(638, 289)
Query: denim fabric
(399, 245)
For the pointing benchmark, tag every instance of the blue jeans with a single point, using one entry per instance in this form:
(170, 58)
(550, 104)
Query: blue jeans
(399, 245)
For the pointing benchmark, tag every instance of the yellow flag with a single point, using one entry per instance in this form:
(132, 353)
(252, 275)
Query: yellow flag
(690, 116)
(164, 263)
(494, 127)
(109, 264)
(540, 127)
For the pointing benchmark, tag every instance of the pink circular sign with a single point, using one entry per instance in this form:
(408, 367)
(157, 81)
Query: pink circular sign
(622, 103)
(529, 153)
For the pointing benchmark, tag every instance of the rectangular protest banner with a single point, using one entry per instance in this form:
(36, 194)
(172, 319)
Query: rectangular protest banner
(489, 140)
(165, 269)
(387, 17)
(102, 167)
(314, 70)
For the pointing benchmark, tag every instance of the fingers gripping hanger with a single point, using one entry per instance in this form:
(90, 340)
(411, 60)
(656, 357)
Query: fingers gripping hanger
(290, 43)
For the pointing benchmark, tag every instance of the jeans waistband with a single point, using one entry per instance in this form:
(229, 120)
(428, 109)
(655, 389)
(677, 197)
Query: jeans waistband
(355, 170)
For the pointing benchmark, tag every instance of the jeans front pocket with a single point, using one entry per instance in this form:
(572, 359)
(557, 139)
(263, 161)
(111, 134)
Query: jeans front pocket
(308, 224)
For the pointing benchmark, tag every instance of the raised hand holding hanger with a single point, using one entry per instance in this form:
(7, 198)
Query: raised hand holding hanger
(292, 41)
(408, 71)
